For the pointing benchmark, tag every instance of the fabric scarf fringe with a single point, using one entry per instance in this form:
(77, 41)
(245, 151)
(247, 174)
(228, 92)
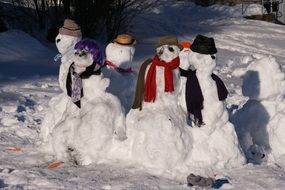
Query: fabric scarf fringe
(117, 68)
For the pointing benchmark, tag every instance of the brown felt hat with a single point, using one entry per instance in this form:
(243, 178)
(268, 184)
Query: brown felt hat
(125, 39)
(168, 40)
(70, 28)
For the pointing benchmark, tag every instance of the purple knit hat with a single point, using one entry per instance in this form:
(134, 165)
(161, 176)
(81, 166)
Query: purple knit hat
(92, 48)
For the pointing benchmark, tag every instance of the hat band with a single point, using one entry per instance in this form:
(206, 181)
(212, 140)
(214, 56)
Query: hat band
(71, 29)
(130, 43)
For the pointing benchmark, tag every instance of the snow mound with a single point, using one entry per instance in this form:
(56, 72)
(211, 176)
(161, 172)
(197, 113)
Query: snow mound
(264, 80)
(253, 9)
(259, 122)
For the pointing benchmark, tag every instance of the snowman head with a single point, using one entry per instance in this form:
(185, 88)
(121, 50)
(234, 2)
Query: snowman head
(65, 42)
(121, 51)
(168, 48)
(87, 57)
(203, 54)
(69, 35)
(256, 154)
(203, 63)
(184, 54)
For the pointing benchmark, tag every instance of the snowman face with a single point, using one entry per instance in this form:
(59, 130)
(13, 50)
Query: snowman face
(82, 59)
(167, 52)
(202, 62)
(184, 62)
(255, 154)
(121, 55)
(64, 42)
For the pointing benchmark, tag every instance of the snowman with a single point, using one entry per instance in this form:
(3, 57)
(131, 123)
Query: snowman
(119, 56)
(155, 126)
(215, 143)
(92, 118)
(69, 35)
(259, 123)
(184, 67)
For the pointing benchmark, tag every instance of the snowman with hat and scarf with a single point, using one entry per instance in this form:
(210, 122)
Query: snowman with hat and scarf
(118, 68)
(69, 34)
(156, 129)
(203, 87)
(215, 141)
(92, 118)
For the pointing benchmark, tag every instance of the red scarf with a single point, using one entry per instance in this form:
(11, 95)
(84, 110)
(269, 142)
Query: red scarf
(150, 83)
(117, 68)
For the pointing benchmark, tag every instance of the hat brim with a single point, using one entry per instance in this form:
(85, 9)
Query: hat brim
(172, 44)
(68, 32)
(203, 50)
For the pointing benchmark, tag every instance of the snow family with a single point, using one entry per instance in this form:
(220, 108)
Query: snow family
(172, 122)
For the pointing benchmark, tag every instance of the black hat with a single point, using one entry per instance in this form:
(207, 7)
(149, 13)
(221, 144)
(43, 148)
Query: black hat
(204, 45)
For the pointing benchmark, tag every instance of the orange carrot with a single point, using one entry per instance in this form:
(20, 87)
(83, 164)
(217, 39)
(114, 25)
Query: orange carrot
(55, 164)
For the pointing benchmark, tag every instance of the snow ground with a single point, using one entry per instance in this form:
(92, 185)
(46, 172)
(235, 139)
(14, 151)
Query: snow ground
(28, 79)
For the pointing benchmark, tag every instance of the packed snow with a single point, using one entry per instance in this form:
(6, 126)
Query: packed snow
(40, 124)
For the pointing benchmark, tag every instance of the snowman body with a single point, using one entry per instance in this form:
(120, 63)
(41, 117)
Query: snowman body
(215, 143)
(156, 133)
(121, 82)
(57, 105)
(185, 64)
(84, 135)
(65, 45)
(259, 122)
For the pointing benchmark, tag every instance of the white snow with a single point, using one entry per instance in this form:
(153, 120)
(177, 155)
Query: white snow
(244, 46)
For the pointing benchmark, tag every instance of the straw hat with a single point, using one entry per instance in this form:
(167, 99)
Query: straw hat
(168, 40)
(125, 39)
(70, 28)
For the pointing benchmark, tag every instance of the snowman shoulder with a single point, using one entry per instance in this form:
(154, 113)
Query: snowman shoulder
(98, 81)
(221, 87)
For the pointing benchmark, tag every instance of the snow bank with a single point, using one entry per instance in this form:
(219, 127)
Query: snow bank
(254, 9)
(23, 56)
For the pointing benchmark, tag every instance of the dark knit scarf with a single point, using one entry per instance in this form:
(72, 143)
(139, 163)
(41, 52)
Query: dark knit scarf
(117, 68)
(194, 96)
(150, 83)
(75, 76)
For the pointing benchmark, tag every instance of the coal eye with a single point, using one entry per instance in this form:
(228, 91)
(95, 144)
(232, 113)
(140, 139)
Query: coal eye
(58, 40)
(171, 49)
(160, 52)
(83, 53)
(213, 57)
